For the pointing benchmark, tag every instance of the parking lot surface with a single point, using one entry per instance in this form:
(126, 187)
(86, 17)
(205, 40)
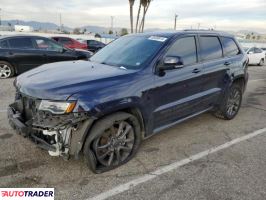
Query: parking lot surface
(235, 172)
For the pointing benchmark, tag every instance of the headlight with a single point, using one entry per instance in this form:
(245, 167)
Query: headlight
(57, 107)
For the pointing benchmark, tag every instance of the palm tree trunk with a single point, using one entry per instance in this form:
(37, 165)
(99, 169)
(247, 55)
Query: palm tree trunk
(137, 22)
(131, 18)
(144, 16)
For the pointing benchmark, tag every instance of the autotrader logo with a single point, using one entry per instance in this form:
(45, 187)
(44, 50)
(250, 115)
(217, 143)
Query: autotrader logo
(27, 193)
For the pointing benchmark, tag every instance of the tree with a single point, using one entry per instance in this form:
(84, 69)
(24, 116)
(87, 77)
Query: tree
(123, 32)
(137, 22)
(110, 32)
(131, 4)
(97, 35)
(76, 31)
(145, 4)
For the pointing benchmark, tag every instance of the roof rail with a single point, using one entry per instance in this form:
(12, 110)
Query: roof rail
(199, 30)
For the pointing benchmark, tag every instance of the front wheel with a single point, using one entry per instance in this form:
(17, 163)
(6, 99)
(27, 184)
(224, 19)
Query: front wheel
(231, 103)
(113, 141)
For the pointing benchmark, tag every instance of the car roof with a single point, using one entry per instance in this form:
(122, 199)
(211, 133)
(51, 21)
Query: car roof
(16, 36)
(169, 34)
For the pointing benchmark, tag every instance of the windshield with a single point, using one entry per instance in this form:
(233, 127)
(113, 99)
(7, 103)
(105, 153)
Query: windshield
(246, 49)
(129, 52)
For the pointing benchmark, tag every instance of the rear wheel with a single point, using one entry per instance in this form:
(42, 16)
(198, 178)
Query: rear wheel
(6, 70)
(261, 62)
(113, 141)
(231, 104)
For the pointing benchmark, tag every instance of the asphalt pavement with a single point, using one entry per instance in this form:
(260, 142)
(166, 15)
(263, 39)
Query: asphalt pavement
(178, 163)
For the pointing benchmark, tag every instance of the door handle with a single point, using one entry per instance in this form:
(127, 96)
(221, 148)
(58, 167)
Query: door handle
(227, 63)
(196, 70)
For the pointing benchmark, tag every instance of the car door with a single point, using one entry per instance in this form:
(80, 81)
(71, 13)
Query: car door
(215, 67)
(258, 54)
(23, 52)
(177, 92)
(54, 52)
(252, 56)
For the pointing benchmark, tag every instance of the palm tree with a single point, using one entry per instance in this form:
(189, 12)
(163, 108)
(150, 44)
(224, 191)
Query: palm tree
(137, 22)
(145, 5)
(131, 4)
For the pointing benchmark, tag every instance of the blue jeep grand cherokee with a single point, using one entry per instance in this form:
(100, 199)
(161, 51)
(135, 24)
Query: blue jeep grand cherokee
(133, 88)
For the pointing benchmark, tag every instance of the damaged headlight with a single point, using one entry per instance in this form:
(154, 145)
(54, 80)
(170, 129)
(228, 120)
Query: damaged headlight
(57, 107)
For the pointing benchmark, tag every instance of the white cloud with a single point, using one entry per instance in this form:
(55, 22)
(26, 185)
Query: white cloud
(224, 14)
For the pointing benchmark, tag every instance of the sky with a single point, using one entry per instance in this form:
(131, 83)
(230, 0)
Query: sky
(228, 15)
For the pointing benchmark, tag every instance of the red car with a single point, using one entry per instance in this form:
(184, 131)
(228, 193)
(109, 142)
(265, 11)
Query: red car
(70, 43)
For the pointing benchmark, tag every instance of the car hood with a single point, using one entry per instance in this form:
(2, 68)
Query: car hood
(58, 81)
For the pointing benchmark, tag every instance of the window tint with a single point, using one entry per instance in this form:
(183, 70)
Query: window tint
(21, 43)
(92, 42)
(210, 47)
(65, 40)
(49, 45)
(184, 48)
(257, 50)
(4, 44)
(230, 47)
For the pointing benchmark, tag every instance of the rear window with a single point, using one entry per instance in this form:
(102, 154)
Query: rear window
(21, 43)
(4, 44)
(210, 47)
(230, 47)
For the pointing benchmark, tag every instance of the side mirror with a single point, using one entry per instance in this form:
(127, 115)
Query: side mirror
(172, 62)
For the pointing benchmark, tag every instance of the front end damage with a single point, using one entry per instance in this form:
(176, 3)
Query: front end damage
(59, 134)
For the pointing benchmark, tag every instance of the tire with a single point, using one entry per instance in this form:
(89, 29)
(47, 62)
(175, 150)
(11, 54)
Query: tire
(231, 103)
(6, 70)
(112, 142)
(261, 62)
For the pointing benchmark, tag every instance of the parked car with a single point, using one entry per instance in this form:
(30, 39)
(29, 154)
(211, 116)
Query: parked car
(21, 53)
(256, 56)
(94, 45)
(70, 43)
(105, 107)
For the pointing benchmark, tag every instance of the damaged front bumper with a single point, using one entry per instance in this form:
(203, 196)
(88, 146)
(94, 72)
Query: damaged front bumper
(61, 135)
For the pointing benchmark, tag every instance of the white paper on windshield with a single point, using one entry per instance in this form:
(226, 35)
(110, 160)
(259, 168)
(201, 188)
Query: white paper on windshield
(157, 38)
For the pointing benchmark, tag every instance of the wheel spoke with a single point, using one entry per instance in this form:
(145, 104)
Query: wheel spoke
(128, 128)
(118, 157)
(120, 128)
(104, 146)
(129, 140)
(104, 155)
(124, 148)
(110, 159)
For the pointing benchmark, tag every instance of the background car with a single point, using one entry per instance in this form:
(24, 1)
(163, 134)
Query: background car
(94, 45)
(256, 56)
(21, 53)
(70, 43)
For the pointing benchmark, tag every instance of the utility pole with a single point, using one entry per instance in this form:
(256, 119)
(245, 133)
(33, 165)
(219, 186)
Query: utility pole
(175, 21)
(198, 26)
(60, 19)
(0, 17)
(112, 23)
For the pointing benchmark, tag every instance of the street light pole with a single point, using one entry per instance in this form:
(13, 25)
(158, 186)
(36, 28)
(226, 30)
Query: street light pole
(0, 17)
(112, 23)
(175, 21)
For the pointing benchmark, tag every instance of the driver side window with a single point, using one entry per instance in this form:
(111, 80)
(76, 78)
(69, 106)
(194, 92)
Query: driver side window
(185, 48)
